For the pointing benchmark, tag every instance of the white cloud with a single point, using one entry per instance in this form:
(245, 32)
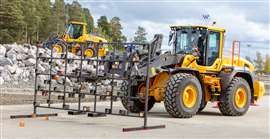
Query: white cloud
(103, 6)
(242, 21)
(237, 25)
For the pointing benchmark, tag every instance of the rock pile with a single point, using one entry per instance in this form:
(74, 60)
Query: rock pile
(16, 63)
(17, 68)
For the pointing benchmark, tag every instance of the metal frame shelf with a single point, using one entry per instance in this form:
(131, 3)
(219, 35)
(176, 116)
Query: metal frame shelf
(80, 76)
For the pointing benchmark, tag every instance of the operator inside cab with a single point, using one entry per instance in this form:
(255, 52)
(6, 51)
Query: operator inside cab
(74, 31)
(199, 42)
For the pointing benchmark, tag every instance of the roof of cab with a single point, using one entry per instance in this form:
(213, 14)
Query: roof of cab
(200, 26)
(76, 22)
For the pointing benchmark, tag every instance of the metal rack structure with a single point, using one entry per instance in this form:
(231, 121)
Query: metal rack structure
(119, 68)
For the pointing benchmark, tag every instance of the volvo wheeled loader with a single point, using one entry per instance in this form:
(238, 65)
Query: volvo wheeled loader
(193, 74)
(75, 34)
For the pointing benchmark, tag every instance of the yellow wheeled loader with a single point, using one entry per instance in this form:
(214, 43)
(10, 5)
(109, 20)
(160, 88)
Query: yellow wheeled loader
(193, 74)
(76, 33)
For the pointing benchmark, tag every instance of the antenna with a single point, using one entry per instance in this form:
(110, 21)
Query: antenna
(206, 18)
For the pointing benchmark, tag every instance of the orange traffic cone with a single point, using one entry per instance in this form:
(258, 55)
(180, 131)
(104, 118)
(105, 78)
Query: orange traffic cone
(46, 118)
(21, 123)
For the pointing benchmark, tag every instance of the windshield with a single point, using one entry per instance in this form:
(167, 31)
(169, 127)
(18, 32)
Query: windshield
(186, 41)
(74, 31)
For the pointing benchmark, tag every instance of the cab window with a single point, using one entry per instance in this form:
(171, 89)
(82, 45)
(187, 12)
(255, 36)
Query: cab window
(212, 51)
(181, 42)
(74, 31)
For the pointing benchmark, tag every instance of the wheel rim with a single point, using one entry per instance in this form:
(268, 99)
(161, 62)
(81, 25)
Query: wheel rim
(189, 96)
(57, 48)
(89, 53)
(240, 97)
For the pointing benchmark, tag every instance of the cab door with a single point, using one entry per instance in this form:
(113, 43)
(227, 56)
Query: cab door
(213, 52)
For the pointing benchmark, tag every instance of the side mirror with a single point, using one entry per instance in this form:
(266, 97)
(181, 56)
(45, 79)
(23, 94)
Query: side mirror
(172, 37)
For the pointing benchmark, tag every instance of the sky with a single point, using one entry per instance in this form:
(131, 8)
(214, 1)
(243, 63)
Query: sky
(244, 20)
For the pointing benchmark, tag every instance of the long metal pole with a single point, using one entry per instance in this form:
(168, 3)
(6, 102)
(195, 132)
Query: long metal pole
(147, 86)
(50, 81)
(97, 64)
(65, 80)
(112, 81)
(35, 91)
(80, 78)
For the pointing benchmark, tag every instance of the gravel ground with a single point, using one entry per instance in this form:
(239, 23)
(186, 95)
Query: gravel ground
(13, 96)
(11, 99)
(209, 124)
(10, 96)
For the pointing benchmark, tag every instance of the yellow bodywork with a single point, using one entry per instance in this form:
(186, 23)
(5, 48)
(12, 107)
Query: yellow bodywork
(85, 37)
(259, 89)
(158, 86)
(159, 81)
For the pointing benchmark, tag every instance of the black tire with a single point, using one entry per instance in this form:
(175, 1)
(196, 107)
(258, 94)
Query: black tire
(138, 105)
(174, 91)
(227, 104)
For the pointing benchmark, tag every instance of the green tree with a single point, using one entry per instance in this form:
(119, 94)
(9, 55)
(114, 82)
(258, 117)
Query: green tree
(116, 30)
(259, 64)
(267, 64)
(58, 18)
(75, 11)
(104, 25)
(11, 23)
(88, 19)
(140, 35)
(32, 20)
(44, 11)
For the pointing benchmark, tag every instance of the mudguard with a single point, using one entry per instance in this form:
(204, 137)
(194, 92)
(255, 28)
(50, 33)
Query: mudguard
(226, 77)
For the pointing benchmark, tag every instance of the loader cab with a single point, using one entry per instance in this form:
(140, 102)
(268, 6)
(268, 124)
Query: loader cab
(75, 30)
(203, 42)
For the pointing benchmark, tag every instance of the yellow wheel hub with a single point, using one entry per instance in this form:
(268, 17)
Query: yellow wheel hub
(189, 96)
(240, 97)
(57, 48)
(89, 53)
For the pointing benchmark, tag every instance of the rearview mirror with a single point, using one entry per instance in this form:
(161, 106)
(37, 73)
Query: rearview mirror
(172, 37)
